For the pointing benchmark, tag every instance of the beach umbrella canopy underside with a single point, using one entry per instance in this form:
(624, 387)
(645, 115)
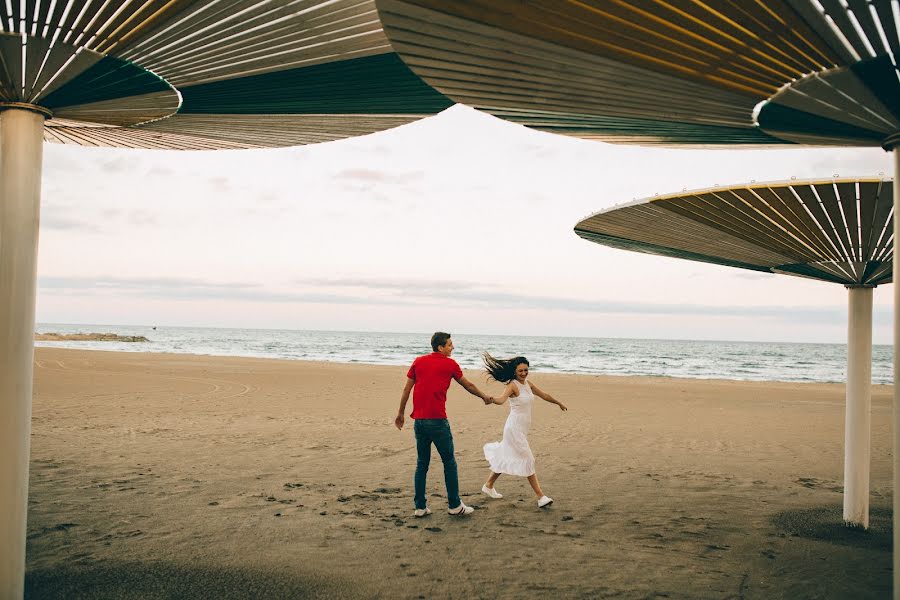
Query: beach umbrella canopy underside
(681, 72)
(837, 230)
(199, 75)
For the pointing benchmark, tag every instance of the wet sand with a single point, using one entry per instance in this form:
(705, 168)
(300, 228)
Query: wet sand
(167, 476)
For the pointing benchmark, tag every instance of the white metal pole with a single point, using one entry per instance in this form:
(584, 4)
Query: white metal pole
(896, 420)
(858, 419)
(21, 146)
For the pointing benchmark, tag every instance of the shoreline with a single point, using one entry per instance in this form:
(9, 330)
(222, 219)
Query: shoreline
(426, 334)
(470, 370)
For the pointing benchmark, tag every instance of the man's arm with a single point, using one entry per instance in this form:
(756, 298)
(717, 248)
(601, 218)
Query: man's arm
(404, 398)
(473, 389)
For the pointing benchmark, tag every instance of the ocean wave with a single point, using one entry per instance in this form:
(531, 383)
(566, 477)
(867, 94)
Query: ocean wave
(658, 358)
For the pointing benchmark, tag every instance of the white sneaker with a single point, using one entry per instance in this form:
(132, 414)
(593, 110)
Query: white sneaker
(461, 511)
(422, 512)
(545, 501)
(491, 492)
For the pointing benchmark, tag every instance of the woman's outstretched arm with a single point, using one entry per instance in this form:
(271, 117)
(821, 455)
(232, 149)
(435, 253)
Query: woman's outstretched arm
(547, 397)
(509, 391)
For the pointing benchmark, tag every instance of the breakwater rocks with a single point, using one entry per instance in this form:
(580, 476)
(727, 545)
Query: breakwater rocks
(88, 337)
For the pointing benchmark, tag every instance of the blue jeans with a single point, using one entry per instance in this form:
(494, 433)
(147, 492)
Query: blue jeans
(437, 432)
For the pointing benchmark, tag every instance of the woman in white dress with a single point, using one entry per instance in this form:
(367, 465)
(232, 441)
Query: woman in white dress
(513, 455)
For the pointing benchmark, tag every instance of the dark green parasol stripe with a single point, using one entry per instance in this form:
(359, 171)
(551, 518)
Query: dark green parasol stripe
(880, 75)
(665, 132)
(635, 246)
(808, 271)
(871, 266)
(380, 84)
(109, 79)
(776, 117)
(886, 278)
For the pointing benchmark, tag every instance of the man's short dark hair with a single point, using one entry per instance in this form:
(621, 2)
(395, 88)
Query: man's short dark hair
(439, 339)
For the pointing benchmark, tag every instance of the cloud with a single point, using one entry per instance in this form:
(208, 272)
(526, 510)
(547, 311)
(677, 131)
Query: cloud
(57, 217)
(60, 161)
(408, 292)
(218, 183)
(461, 293)
(140, 217)
(192, 289)
(865, 163)
(372, 176)
(160, 171)
(397, 285)
(61, 222)
(752, 275)
(137, 284)
(120, 164)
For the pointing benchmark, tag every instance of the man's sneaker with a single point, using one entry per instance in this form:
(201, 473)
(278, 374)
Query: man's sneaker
(544, 501)
(422, 512)
(491, 492)
(461, 511)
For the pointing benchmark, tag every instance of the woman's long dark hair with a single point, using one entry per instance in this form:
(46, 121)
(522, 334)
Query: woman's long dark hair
(503, 369)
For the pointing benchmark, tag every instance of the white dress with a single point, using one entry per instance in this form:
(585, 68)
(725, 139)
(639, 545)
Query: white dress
(512, 455)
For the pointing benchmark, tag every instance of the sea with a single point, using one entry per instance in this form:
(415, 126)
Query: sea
(751, 361)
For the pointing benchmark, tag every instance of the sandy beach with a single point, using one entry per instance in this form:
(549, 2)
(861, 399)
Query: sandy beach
(174, 476)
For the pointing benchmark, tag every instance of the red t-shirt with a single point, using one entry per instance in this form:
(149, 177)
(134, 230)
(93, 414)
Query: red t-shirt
(432, 374)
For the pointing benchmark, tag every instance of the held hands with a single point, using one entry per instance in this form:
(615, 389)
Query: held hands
(488, 400)
(399, 421)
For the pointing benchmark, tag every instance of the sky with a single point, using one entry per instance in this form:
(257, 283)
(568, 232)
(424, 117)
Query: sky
(460, 222)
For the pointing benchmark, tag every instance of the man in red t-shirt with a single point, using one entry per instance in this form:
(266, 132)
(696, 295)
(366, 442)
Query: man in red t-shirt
(429, 377)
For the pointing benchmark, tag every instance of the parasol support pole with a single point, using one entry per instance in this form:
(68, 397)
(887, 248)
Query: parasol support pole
(21, 147)
(858, 416)
(896, 411)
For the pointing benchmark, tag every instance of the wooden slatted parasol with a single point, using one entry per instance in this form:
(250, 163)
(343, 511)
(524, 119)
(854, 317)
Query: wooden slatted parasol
(679, 72)
(167, 74)
(835, 230)
(205, 75)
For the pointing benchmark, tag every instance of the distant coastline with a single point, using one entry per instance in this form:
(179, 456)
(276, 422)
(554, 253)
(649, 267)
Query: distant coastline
(87, 337)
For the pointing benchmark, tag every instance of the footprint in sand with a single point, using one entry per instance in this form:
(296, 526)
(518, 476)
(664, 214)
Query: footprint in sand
(813, 484)
(433, 529)
(64, 527)
(134, 533)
